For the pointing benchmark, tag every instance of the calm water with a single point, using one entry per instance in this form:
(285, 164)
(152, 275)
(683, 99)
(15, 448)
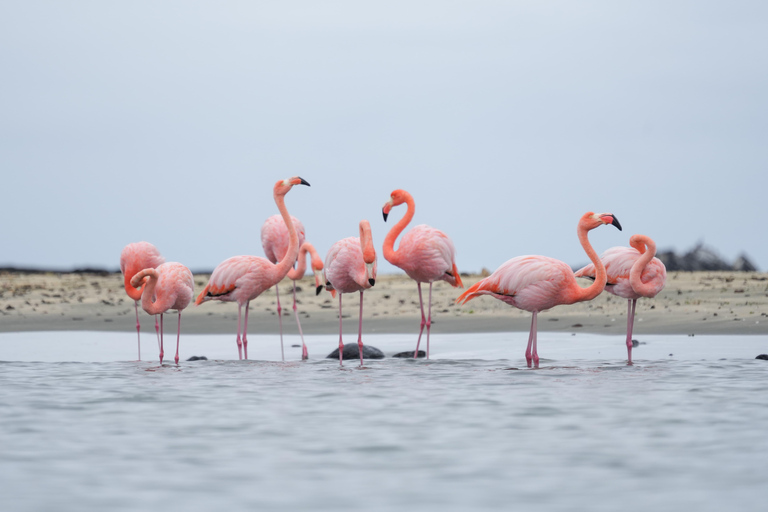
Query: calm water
(686, 426)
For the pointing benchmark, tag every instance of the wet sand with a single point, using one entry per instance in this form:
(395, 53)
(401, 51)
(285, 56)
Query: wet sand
(692, 303)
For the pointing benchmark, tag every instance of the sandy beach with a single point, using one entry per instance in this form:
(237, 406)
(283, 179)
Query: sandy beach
(692, 303)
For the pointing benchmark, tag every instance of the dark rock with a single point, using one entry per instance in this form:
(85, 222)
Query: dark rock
(197, 358)
(351, 351)
(409, 354)
(635, 343)
(764, 357)
(295, 346)
(702, 257)
(743, 264)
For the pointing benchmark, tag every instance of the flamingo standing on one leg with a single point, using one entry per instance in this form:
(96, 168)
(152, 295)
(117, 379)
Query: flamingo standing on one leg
(133, 258)
(243, 278)
(537, 283)
(275, 240)
(169, 286)
(632, 272)
(425, 253)
(350, 266)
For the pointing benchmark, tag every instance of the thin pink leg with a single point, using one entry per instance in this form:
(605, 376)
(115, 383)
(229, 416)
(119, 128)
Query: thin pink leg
(245, 331)
(138, 326)
(528, 356)
(157, 331)
(178, 334)
(239, 340)
(630, 324)
(341, 343)
(429, 318)
(161, 339)
(280, 321)
(535, 351)
(360, 330)
(423, 322)
(304, 352)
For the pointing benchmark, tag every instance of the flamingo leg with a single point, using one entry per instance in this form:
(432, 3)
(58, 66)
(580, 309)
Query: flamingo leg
(245, 331)
(423, 322)
(630, 324)
(138, 326)
(280, 321)
(239, 340)
(161, 338)
(304, 353)
(528, 357)
(360, 330)
(534, 351)
(429, 318)
(157, 331)
(341, 343)
(178, 335)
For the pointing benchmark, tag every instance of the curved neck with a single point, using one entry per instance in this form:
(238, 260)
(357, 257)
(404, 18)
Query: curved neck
(593, 290)
(284, 265)
(636, 272)
(161, 303)
(134, 293)
(298, 272)
(389, 241)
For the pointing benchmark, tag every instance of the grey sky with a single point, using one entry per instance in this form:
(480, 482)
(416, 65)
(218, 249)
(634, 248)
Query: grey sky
(170, 123)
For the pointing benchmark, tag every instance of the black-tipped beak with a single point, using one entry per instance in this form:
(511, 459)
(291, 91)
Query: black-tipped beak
(385, 214)
(303, 182)
(319, 289)
(372, 281)
(616, 222)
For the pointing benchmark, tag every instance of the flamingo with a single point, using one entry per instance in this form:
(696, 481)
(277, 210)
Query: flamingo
(350, 266)
(275, 240)
(425, 253)
(169, 286)
(243, 278)
(632, 272)
(133, 258)
(537, 283)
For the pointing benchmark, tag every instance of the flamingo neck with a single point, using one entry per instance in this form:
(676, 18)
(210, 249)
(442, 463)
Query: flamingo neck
(298, 272)
(601, 278)
(390, 254)
(284, 265)
(636, 272)
(161, 303)
(134, 293)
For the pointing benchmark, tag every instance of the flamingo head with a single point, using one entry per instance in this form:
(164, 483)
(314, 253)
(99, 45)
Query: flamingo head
(282, 187)
(369, 253)
(317, 268)
(591, 220)
(397, 197)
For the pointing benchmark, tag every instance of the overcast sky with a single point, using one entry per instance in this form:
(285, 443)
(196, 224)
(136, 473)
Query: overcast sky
(171, 121)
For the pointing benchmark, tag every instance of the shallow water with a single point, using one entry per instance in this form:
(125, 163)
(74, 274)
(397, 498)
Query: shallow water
(470, 429)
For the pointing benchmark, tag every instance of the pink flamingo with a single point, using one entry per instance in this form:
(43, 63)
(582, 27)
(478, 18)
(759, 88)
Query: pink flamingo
(135, 257)
(169, 286)
(350, 266)
(243, 278)
(275, 241)
(537, 283)
(425, 253)
(632, 272)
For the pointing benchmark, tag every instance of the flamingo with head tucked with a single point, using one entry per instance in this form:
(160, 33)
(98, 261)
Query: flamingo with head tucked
(134, 258)
(632, 272)
(169, 286)
(425, 253)
(537, 283)
(275, 240)
(243, 278)
(350, 266)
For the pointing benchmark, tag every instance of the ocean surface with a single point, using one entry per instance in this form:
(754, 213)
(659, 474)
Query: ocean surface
(84, 427)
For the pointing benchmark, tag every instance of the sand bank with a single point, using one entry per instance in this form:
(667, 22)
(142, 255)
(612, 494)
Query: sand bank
(691, 303)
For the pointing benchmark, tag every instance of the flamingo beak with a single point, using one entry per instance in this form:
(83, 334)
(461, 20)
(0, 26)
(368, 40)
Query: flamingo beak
(385, 210)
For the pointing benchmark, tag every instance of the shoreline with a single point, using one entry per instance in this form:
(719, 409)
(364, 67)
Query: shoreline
(698, 303)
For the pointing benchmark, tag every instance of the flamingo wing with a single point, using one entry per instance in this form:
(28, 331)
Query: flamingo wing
(275, 237)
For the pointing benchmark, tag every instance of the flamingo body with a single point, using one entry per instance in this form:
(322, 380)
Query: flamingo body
(632, 272)
(350, 266)
(134, 258)
(169, 286)
(275, 237)
(537, 283)
(241, 279)
(425, 254)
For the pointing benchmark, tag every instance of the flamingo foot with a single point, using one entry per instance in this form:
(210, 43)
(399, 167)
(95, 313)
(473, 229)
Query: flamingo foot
(304, 352)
